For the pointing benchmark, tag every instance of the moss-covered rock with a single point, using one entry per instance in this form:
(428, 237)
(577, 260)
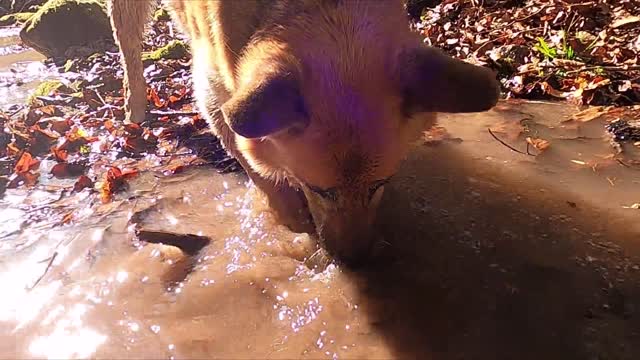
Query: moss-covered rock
(161, 15)
(46, 88)
(17, 18)
(174, 50)
(61, 24)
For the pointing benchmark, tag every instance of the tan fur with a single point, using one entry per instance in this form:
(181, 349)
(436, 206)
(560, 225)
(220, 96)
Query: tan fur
(320, 89)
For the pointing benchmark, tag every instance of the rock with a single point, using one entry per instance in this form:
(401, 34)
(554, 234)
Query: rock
(61, 24)
(46, 88)
(17, 18)
(174, 50)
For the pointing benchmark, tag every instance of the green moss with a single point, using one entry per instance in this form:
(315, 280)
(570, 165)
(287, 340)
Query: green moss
(46, 88)
(161, 15)
(174, 50)
(70, 65)
(62, 24)
(53, 6)
(17, 18)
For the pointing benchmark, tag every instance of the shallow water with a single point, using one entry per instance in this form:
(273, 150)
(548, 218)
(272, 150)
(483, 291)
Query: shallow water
(491, 255)
(21, 69)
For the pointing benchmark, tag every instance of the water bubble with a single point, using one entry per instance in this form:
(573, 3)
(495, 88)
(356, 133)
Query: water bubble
(121, 276)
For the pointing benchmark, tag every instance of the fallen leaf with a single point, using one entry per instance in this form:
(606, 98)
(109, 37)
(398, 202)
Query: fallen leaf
(27, 179)
(60, 154)
(60, 125)
(83, 182)
(66, 170)
(114, 181)
(625, 21)
(26, 163)
(153, 96)
(66, 219)
(539, 144)
(589, 114)
(438, 134)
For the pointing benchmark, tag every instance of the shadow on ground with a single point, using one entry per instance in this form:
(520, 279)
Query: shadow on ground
(499, 267)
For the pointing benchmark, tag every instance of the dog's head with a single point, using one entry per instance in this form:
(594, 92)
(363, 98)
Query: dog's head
(332, 100)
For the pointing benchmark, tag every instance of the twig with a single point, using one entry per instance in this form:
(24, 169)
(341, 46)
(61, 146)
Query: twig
(609, 68)
(528, 152)
(509, 146)
(20, 108)
(506, 36)
(623, 163)
(100, 97)
(46, 270)
(173, 113)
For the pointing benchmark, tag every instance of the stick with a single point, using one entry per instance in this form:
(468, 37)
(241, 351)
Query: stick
(509, 146)
(46, 270)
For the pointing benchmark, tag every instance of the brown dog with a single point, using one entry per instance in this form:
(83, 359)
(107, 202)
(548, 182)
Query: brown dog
(322, 96)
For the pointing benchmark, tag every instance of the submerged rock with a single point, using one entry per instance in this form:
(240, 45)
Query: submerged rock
(61, 24)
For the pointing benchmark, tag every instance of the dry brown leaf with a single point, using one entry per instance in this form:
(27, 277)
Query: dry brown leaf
(83, 182)
(436, 134)
(26, 163)
(625, 21)
(67, 170)
(115, 179)
(539, 144)
(589, 114)
(66, 219)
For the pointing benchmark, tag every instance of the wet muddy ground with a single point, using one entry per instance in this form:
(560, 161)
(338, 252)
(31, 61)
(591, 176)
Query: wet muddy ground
(491, 254)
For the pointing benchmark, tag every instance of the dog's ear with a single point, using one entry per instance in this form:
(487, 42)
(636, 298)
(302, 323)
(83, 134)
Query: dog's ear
(432, 81)
(265, 106)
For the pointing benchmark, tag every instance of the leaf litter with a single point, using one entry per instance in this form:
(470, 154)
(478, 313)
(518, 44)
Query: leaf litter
(79, 128)
(584, 52)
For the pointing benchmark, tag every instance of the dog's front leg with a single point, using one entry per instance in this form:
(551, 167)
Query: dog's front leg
(128, 18)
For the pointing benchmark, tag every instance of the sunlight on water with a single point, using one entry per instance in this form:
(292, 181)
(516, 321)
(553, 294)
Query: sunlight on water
(69, 339)
(10, 221)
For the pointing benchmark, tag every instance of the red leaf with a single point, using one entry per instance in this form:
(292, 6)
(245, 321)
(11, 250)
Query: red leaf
(114, 181)
(82, 183)
(65, 170)
(60, 155)
(26, 163)
(67, 218)
(152, 95)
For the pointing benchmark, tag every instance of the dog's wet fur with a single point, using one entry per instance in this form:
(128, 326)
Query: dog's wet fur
(319, 100)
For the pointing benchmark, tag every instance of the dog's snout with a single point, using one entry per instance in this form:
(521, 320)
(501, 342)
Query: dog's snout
(349, 242)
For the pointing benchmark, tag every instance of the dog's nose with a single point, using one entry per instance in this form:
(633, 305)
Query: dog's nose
(350, 246)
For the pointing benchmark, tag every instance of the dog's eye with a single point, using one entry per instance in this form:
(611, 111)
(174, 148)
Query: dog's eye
(329, 194)
(375, 186)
